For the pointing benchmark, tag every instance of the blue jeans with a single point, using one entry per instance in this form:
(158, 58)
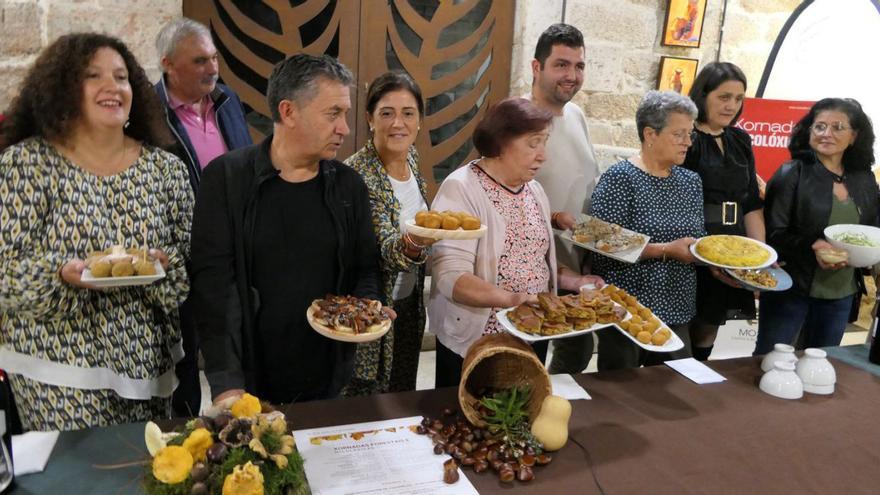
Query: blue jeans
(782, 315)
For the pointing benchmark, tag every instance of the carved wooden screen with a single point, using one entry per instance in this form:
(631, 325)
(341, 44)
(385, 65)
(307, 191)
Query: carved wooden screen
(457, 50)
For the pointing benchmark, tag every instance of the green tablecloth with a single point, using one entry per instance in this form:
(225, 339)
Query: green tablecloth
(72, 467)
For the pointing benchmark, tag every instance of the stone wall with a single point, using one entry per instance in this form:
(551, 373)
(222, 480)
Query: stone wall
(623, 52)
(27, 26)
(622, 38)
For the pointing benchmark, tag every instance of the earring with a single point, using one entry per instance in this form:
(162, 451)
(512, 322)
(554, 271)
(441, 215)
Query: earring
(127, 123)
(419, 128)
(371, 128)
(650, 145)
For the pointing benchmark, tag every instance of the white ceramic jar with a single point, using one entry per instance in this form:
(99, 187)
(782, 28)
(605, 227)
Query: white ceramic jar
(816, 372)
(782, 381)
(780, 352)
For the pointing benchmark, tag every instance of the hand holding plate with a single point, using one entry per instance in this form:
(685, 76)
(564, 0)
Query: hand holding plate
(71, 274)
(679, 249)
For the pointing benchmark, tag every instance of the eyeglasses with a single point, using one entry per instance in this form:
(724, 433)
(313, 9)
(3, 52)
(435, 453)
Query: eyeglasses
(683, 137)
(820, 128)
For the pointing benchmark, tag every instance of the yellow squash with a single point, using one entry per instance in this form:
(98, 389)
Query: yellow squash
(551, 425)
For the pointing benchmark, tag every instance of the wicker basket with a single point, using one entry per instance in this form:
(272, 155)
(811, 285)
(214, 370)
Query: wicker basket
(499, 361)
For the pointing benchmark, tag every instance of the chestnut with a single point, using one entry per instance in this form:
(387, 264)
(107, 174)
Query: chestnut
(525, 473)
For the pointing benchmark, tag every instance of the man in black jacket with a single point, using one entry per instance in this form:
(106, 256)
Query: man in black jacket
(277, 225)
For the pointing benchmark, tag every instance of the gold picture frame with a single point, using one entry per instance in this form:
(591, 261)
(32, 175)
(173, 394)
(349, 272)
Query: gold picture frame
(683, 24)
(677, 74)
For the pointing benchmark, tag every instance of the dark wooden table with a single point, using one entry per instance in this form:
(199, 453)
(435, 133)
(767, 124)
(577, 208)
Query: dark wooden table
(646, 430)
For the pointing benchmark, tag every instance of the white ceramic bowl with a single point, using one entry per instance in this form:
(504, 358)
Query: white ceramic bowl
(782, 381)
(780, 352)
(816, 372)
(859, 256)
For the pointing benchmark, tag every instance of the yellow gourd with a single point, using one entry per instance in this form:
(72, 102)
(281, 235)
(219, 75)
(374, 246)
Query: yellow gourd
(551, 425)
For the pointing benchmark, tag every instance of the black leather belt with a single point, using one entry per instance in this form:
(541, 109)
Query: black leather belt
(726, 213)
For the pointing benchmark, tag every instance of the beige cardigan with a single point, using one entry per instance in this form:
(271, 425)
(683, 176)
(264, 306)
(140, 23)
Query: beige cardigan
(455, 325)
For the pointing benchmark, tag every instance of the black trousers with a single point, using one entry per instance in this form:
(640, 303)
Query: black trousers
(187, 397)
(447, 372)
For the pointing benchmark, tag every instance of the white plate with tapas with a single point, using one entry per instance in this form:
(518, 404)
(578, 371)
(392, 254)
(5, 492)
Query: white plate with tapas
(130, 281)
(534, 317)
(457, 234)
(608, 239)
(367, 334)
(673, 342)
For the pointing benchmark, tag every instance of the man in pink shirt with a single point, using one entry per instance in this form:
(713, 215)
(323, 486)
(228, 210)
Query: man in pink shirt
(205, 117)
(207, 120)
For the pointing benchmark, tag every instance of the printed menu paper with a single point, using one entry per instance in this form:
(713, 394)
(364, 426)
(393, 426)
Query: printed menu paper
(386, 457)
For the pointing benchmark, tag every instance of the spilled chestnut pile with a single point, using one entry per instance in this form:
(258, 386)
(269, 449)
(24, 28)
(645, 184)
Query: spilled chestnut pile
(508, 455)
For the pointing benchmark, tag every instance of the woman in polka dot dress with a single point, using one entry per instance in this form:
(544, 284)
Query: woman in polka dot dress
(648, 193)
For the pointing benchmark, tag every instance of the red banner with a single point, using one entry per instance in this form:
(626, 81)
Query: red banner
(770, 122)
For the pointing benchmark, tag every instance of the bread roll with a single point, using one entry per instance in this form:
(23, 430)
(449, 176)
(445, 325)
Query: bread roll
(470, 223)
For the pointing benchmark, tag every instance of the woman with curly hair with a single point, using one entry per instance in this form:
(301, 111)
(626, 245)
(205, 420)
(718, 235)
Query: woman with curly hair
(828, 181)
(80, 171)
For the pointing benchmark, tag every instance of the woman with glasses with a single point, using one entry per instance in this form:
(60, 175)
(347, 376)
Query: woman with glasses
(722, 155)
(648, 193)
(828, 181)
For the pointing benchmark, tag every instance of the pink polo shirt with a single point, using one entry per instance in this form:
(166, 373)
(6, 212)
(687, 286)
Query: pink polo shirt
(201, 129)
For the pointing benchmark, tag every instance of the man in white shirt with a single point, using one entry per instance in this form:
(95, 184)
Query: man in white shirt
(570, 173)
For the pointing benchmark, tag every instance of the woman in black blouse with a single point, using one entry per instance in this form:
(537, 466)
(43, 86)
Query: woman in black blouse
(722, 155)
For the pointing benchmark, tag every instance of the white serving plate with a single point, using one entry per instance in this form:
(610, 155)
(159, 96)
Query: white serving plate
(458, 234)
(331, 333)
(627, 256)
(783, 280)
(511, 328)
(770, 260)
(673, 344)
(132, 281)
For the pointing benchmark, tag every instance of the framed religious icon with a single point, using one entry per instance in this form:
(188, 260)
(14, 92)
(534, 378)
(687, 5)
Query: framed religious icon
(677, 74)
(683, 25)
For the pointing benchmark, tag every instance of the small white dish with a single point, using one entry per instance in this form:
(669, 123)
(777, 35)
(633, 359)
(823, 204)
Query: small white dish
(859, 256)
(816, 372)
(780, 352)
(782, 381)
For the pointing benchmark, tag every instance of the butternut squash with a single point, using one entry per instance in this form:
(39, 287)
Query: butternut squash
(551, 425)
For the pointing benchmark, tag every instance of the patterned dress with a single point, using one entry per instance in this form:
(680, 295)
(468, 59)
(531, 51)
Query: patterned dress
(81, 358)
(391, 363)
(522, 266)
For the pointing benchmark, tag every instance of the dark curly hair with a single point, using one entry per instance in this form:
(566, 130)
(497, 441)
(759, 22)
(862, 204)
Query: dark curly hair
(859, 156)
(50, 101)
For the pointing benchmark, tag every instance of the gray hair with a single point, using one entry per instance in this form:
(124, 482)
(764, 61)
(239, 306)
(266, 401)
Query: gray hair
(656, 106)
(296, 79)
(176, 31)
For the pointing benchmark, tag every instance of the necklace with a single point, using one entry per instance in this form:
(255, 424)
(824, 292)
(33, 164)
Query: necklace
(709, 133)
(400, 177)
(837, 178)
(511, 191)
